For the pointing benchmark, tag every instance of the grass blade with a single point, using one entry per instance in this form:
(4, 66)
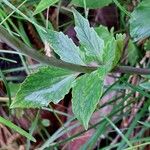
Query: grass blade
(16, 128)
(119, 132)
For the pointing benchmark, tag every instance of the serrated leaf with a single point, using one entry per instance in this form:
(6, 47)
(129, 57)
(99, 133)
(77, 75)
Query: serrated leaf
(64, 47)
(86, 92)
(104, 33)
(49, 84)
(109, 51)
(92, 3)
(43, 5)
(89, 39)
(113, 47)
(140, 21)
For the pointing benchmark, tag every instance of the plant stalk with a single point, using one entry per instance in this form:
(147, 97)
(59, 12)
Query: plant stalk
(17, 44)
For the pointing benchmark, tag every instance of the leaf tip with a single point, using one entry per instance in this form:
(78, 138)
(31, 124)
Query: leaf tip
(85, 125)
(75, 12)
(33, 139)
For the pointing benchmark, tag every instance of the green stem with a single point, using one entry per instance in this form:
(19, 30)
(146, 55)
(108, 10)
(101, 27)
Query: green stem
(20, 46)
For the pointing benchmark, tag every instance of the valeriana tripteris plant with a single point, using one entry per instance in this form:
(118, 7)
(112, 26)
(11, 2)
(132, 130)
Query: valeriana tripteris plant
(51, 84)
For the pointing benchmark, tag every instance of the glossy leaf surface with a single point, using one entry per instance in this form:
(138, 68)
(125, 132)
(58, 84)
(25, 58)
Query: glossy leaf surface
(64, 47)
(87, 91)
(89, 39)
(49, 84)
(140, 21)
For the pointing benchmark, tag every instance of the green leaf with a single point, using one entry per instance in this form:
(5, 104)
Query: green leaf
(64, 47)
(147, 45)
(146, 124)
(17, 129)
(92, 3)
(140, 21)
(145, 85)
(89, 39)
(104, 33)
(13, 88)
(87, 91)
(49, 84)
(120, 44)
(133, 54)
(43, 5)
(146, 76)
(109, 53)
(113, 47)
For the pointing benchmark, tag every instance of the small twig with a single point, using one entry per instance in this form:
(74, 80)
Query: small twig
(4, 99)
(132, 70)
